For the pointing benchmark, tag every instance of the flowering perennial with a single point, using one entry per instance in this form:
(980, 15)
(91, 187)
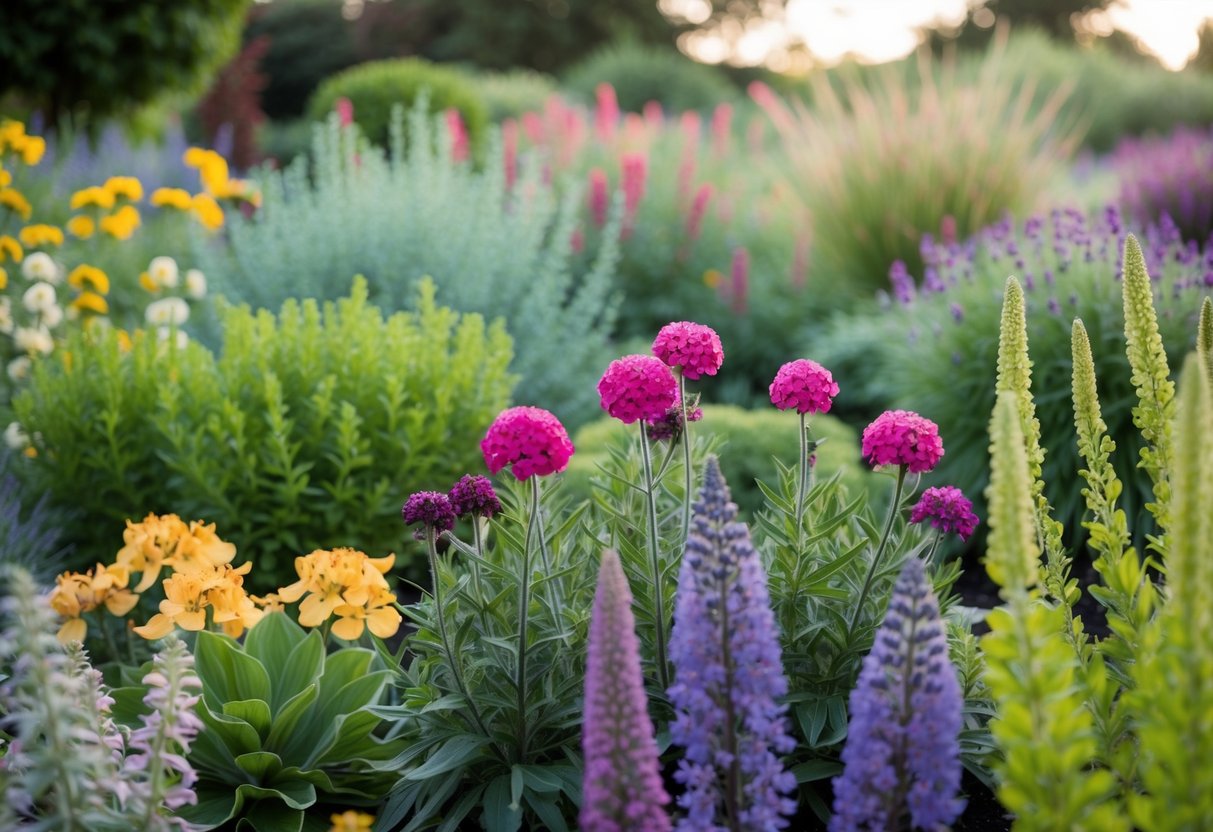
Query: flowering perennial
(189, 594)
(78, 593)
(902, 437)
(430, 508)
(902, 746)
(474, 495)
(725, 649)
(531, 439)
(637, 387)
(348, 584)
(670, 426)
(622, 787)
(804, 386)
(947, 509)
(693, 349)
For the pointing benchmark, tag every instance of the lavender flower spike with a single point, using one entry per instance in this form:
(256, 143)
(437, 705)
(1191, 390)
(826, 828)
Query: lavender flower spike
(728, 678)
(902, 755)
(622, 787)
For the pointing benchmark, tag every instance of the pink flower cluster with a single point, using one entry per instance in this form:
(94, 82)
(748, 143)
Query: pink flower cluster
(804, 386)
(948, 509)
(692, 348)
(637, 387)
(531, 439)
(902, 437)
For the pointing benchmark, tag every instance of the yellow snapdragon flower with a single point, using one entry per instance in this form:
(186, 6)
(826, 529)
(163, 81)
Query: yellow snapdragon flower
(10, 249)
(16, 202)
(346, 583)
(41, 235)
(81, 227)
(172, 198)
(208, 212)
(124, 187)
(85, 275)
(122, 223)
(77, 593)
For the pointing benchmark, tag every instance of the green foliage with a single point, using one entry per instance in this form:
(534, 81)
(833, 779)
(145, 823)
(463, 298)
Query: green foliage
(1204, 336)
(30, 532)
(375, 88)
(306, 432)
(84, 59)
(752, 440)
(641, 74)
(879, 164)
(513, 92)
(287, 726)
(489, 248)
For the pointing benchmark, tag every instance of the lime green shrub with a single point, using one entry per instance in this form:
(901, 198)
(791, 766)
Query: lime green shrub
(641, 74)
(374, 88)
(511, 93)
(307, 430)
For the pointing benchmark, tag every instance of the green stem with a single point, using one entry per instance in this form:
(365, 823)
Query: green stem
(523, 605)
(934, 546)
(802, 484)
(663, 676)
(884, 542)
(688, 473)
(478, 541)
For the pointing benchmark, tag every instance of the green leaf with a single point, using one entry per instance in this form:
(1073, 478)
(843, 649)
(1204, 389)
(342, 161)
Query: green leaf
(548, 812)
(260, 764)
(227, 673)
(814, 770)
(216, 805)
(452, 754)
(295, 794)
(284, 737)
(237, 735)
(498, 816)
(253, 711)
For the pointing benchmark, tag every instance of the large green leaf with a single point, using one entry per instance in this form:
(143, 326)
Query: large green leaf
(271, 816)
(296, 794)
(215, 806)
(253, 711)
(273, 642)
(498, 816)
(342, 667)
(459, 751)
(237, 735)
(288, 736)
(260, 765)
(227, 672)
(352, 696)
(304, 665)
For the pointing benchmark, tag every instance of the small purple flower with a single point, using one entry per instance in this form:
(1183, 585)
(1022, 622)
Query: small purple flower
(621, 785)
(903, 739)
(670, 426)
(430, 508)
(725, 650)
(903, 284)
(948, 509)
(474, 494)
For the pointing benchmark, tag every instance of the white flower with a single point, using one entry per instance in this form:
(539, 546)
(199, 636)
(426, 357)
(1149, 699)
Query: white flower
(6, 316)
(33, 339)
(163, 272)
(39, 297)
(18, 368)
(168, 312)
(40, 266)
(52, 316)
(15, 437)
(164, 333)
(195, 284)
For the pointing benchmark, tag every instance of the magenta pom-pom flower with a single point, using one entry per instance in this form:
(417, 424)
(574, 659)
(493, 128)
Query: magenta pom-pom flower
(692, 348)
(430, 508)
(637, 387)
(529, 438)
(474, 494)
(948, 510)
(902, 437)
(804, 386)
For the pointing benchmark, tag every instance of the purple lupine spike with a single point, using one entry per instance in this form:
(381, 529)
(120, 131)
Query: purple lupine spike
(622, 787)
(725, 649)
(903, 752)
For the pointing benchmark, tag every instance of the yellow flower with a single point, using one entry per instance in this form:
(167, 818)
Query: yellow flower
(124, 341)
(3, 279)
(172, 198)
(378, 614)
(15, 201)
(145, 280)
(35, 236)
(122, 223)
(6, 178)
(351, 821)
(12, 134)
(149, 544)
(95, 195)
(240, 189)
(90, 302)
(269, 602)
(347, 583)
(201, 548)
(10, 249)
(712, 278)
(189, 594)
(77, 593)
(33, 149)
(84, 275)
(124, 187)
(81, 226)
(208, 211)
(195, 157)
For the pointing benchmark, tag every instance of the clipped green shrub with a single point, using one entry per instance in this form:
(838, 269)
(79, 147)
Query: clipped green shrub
(375, 87)
(511, 93)
(641, 74)
(749, 438)
(306, 431)
(490, 248)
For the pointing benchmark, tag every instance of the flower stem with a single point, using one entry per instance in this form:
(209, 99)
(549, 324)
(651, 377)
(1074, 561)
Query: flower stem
(663, 676)
(884, 542)
(688, 474)
(523, 605)
(803, 483)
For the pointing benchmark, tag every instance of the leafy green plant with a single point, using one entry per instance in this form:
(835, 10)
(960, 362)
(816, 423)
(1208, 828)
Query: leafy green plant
(30, 534)
(376, 87)
(641, 74)
(287, 726)
(305, 432)
(500, 250)
(879, 165)
(511, 93)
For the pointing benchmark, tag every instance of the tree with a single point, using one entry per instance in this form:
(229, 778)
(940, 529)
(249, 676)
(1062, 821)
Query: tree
(88, 60)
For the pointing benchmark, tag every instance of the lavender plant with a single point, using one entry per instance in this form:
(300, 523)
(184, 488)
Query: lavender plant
(728, 677)
(30, 535)
(1171, 175)
(902, 755)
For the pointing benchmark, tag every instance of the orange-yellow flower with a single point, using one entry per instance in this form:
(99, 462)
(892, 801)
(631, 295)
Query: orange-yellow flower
(189, 594)
(41, 235)
(81, 226)
(10, 249)
(200, 548)
(172, 198)
(6, 178)
(15, 201)
(33, 149)
(124, 187)
(351, 821)
(149, 544)
(346, 583)
(145, 280)
(77, 593)
(90, 302)
(208, 212)
(122, 223)
(95, 195)
(379, 615)
(84, 275)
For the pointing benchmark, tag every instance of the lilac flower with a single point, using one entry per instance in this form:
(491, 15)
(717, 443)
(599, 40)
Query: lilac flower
(725, 649)
(902, 750)
(622, 787)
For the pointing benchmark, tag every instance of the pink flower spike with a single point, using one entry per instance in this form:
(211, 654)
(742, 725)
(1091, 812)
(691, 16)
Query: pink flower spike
(598, 196)
(637, 387)
(722, 119)
(531, 439)
(606, 116)
(804, 386)
(653, 114)
(634, 171)
(459, 135)
(902, 437)
(698, 208)
(509, 150)
(345, 111)
(693, 349)
(741, 279)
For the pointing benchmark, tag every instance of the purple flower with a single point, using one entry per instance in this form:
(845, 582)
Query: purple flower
(903, 284)
(948, 509)
(430, 508)
(725, 650)
(474, 494)
(621, 786)
(693, 348)
(670, 425)
(637, 387)
(902, 743)
(902, 437)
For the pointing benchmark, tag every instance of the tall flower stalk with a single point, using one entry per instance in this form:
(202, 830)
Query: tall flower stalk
(806, 387)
